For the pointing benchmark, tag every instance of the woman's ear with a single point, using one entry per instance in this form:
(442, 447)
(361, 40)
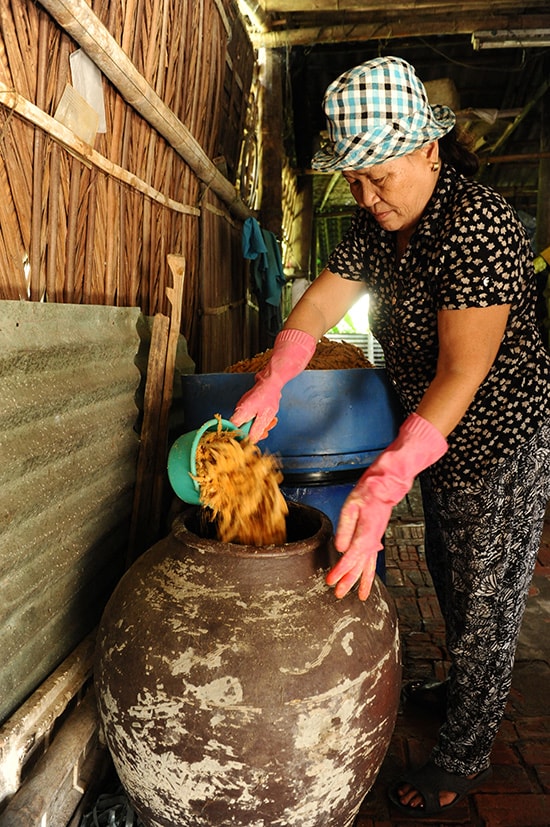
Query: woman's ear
(431, 151)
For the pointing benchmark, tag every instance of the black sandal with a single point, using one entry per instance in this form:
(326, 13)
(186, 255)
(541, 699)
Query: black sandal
(429, 781)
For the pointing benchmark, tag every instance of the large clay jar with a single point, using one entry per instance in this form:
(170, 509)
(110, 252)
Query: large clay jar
(235, 689)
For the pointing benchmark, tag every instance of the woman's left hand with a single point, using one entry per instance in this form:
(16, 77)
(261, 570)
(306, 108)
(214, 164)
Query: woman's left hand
(361, 525)
(367, 511)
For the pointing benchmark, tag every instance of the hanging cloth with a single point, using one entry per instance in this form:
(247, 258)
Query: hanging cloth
(262, 248)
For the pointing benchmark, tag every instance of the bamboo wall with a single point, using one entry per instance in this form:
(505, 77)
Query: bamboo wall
(94, 226)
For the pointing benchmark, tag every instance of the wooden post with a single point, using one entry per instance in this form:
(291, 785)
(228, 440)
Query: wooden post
(140, 526)
(153, 453)
(175, 295)
(271, 208)
(302, 228)
(543, 205)
(272, 144)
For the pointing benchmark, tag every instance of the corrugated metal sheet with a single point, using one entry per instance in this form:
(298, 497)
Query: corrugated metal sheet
(67, 467)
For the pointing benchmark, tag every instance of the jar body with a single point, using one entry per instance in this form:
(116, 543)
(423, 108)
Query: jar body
(235, 689)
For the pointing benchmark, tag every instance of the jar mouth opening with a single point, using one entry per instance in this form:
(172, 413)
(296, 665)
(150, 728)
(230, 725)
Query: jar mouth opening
(305, 525)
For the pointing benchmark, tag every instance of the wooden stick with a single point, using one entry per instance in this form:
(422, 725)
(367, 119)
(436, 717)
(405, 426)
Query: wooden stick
(175, 295)
(89, 237)
(151, 470)
(140, 526)
(390, 29)
(46, 784)
(34, 720)
(72, 227)
(38, 285)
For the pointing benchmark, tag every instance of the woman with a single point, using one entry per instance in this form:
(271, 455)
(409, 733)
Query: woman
(452, 295)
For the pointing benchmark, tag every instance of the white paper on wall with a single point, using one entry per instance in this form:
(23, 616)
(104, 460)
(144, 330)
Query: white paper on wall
(88, 82)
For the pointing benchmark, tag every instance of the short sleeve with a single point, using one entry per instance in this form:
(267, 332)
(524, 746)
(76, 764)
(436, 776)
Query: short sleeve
(348, 259)
(484, 255)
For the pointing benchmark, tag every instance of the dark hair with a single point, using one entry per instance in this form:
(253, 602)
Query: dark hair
(455, 149)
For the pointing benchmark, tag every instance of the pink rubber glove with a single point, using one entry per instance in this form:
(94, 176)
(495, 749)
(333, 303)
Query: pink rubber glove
(367, 511)
(292, 351)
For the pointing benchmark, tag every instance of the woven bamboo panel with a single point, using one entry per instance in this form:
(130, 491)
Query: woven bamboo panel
(69, 232)
(229, 318)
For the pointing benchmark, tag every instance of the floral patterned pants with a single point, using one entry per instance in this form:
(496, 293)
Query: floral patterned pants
(481, 548)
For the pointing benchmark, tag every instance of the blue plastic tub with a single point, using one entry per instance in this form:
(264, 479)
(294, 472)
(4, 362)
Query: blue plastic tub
(329, 420)
(332, 424)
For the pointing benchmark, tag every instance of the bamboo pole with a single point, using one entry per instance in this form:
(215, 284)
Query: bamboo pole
(53, 291)
(541, 91)
(72, 228)
(126, 273)
(150, 140)
(403, 6)
(78, 20)
(38, 286)
(522, 158)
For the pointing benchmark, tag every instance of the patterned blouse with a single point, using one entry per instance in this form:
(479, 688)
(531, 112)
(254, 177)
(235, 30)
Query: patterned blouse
(469, 250)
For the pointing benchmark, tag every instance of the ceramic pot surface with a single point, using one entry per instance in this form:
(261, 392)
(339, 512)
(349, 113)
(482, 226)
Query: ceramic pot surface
(235, 689)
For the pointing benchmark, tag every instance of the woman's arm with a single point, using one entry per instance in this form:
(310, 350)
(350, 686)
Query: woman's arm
(469, 340)
(324, 303)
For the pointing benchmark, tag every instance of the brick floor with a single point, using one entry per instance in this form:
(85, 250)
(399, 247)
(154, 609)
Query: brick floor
(518, 794)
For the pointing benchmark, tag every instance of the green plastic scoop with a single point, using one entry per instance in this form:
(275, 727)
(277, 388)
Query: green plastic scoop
(182, 466)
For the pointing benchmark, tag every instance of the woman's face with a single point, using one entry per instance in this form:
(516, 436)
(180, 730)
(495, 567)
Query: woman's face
(396, 192)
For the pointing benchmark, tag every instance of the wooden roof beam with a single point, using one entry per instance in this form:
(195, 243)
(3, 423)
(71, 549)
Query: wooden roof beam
(413, 7)
(394, 29)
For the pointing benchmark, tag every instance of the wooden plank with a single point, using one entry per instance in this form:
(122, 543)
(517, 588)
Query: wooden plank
(540, 92)
(35, 719)
(151, 472)
(141, 530)
(176, 264)
(56, 776)
(84, 152)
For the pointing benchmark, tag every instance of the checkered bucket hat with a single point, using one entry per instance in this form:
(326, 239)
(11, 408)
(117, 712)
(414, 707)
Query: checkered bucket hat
(377, 111)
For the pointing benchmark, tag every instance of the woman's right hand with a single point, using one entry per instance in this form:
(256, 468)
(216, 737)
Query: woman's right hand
(261, 404)
(292, 352)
